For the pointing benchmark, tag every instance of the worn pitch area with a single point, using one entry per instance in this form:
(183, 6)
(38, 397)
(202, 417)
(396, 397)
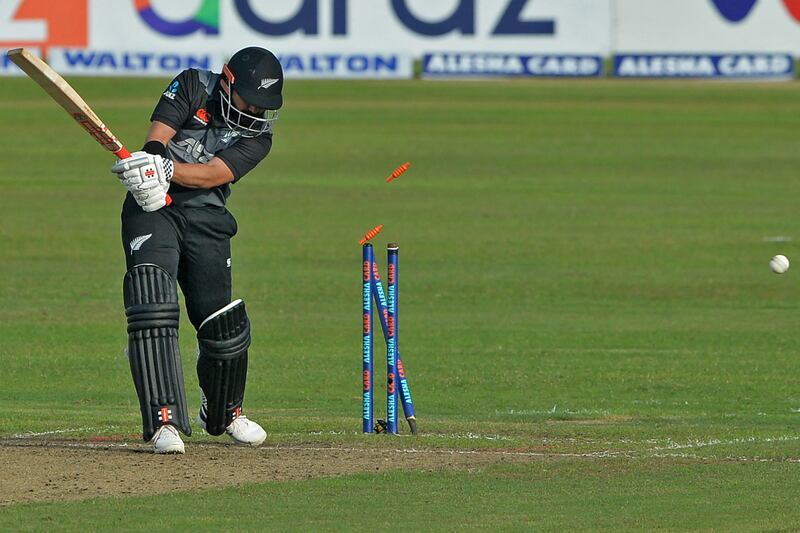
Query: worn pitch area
(66, 469)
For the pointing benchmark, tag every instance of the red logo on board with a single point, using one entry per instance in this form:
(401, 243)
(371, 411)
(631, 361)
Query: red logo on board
(44, 23)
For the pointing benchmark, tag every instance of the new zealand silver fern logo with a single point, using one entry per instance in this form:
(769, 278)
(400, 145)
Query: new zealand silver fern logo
(266, 83)
(139, 241)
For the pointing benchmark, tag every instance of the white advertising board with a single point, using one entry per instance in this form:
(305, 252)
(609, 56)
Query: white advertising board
(411, 26)
(380, 38)
(706, 26)
(332, 38)
(329, 64)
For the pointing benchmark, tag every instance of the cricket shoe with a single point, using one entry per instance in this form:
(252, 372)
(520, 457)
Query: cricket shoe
(167, 440)
(242, 430)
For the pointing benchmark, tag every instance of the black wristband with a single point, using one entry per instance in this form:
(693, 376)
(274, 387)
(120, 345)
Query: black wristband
(155, 148)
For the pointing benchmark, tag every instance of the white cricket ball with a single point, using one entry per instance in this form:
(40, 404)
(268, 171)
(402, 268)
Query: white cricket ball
(779, 264)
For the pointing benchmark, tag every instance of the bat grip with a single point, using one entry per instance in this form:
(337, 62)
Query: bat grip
(123, 153)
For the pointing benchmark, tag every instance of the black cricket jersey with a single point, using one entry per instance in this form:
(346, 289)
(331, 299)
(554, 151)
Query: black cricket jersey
(191, 105)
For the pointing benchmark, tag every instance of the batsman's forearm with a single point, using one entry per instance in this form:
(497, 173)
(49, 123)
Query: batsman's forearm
(202, 175)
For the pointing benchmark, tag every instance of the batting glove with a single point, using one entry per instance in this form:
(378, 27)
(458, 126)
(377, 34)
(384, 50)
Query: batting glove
(147, 177)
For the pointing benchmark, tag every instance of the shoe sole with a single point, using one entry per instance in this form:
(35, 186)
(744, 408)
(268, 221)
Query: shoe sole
(170, 451)
(244, 443)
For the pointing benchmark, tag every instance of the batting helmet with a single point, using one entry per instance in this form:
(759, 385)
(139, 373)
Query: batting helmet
(256, 75)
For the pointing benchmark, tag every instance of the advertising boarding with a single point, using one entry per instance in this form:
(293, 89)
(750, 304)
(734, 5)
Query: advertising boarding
(383, 38)
(706, 38)
(315, 38)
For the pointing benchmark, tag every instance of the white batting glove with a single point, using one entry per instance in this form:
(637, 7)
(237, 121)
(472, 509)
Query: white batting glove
(151, 200)
(147, 177)
(143, 171)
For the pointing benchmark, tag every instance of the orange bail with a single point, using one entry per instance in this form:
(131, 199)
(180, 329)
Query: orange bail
(398, 172)
(370, 234)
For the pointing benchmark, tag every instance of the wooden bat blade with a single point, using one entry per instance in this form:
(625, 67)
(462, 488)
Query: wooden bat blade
(69, 99)
(63, 93)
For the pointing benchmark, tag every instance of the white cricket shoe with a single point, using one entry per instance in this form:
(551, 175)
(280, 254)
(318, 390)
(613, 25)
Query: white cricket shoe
(242, 430)
(246, 432)
(167, 440)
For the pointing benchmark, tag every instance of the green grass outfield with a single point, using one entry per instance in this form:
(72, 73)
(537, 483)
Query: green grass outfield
(584, 275)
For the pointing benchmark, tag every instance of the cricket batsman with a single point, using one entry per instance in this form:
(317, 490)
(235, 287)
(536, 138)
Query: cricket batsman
(206, 133)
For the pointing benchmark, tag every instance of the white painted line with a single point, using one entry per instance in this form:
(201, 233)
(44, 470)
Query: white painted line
(56, 432)
(716, 442)
(465, 436)
(658, 448)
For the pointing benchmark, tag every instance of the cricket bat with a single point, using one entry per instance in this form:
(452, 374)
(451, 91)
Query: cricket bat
(69, 99)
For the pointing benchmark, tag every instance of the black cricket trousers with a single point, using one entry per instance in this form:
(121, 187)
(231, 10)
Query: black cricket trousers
(193, 244)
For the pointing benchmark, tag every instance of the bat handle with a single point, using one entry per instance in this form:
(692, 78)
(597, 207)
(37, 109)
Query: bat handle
(123, 153)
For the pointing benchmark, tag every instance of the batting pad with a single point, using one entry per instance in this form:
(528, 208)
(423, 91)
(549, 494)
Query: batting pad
(223, 339)
(151, 305)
